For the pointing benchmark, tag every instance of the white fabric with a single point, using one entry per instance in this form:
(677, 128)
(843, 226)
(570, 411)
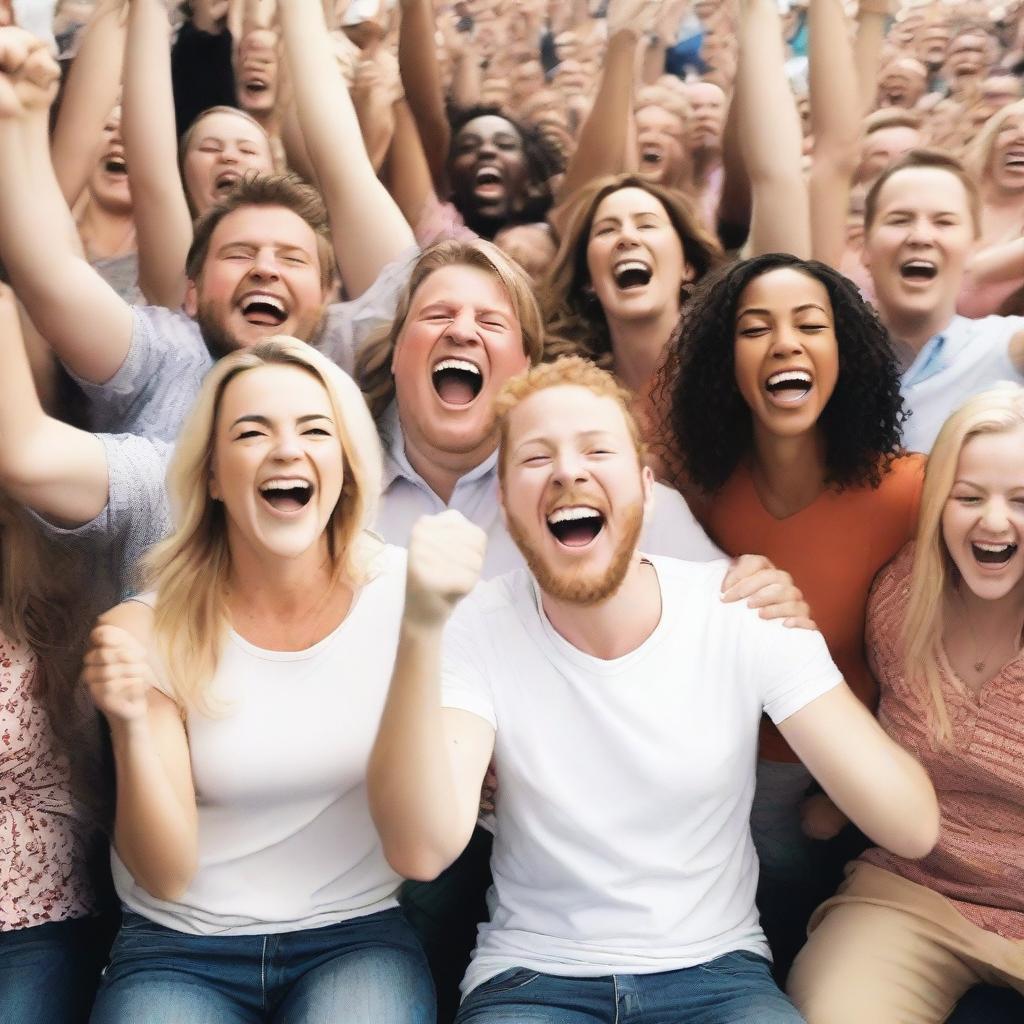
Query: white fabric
(285, 836)
(623, 806)
(966, 358)
(670, 529)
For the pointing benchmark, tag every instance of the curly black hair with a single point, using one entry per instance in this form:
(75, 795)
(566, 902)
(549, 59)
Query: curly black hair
(708, 423)
(544, 160)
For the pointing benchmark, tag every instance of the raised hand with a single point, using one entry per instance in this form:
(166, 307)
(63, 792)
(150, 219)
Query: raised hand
(118, 675)
(446, 556)
(637, 16)
(28, 74)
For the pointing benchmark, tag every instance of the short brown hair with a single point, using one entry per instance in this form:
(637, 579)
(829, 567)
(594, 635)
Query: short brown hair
(933, 158)
(567, 371)
(285, 190)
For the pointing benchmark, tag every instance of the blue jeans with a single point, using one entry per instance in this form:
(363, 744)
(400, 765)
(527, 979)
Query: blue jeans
(48, 973)
(733, 989)
(367, 970)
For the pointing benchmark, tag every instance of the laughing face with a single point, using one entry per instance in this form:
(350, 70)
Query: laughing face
(918, 243)
(635, 257)
(261, 278)
(983, 520)
(708, 107)
(786, 354)
(108, 184)
(222, 147)
(488, 168)
(277, 462)
(1006, 163)
(574, 492)
(661, 141)
(460, 343)
(256, 72)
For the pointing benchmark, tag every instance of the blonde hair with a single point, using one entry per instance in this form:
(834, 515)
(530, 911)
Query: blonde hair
(190, 568)
(566, 371)
(978, 158)
(995, 411)
(373, 362)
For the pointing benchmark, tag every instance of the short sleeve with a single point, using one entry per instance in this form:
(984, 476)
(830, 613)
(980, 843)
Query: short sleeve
(465, 682)
(349, 325)
(673, 531)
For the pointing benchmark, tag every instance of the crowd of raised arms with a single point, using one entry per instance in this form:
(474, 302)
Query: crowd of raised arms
(511, 511)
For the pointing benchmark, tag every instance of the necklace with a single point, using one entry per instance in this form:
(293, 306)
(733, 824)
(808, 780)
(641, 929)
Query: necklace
(979, 663)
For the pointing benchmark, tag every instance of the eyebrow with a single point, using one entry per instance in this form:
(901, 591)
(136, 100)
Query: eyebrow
(582, 435)
(266, 422)
(767, 312)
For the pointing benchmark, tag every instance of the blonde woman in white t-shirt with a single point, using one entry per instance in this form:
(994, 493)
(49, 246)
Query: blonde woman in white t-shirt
(242, 709)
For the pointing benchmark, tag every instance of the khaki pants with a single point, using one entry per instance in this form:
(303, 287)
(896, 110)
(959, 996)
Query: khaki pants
(885, 950)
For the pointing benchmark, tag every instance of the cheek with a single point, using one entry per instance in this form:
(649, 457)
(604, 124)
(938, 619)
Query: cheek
(747, 367)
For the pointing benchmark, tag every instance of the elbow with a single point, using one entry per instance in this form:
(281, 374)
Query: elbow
(168, 882)
(415, 861)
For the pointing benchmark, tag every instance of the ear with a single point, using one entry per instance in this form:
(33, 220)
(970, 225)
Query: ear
(647, 483)
(191, 302)
(688, 272)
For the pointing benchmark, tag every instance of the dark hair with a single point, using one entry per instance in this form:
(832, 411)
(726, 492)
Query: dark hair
(544, 159)
(287, 190)
(708, 425)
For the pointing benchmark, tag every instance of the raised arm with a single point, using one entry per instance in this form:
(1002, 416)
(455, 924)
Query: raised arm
(368, 229)
(428, 762)
(162, 218)
(836, 119)
(155, 823)
(871, 778)
(85, 321)
(867, 48)
(770, 136)
(90, 93)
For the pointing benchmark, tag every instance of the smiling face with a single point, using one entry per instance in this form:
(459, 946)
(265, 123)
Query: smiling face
(574, 491)
(966, 57)
(256, 72)
(918, 243)
(708, 108)
(222, 147)
(662, 145)
(108, 184)
(983, 519)
(786, 353)
(261, 277)
(277, 461)
(885, 146)
(488, 168)
(635, 257)
(1006, 162)
(460, 343)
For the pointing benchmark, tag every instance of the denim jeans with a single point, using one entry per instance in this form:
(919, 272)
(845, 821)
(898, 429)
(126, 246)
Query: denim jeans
(733, 989)
(48, 973)
(367, 970)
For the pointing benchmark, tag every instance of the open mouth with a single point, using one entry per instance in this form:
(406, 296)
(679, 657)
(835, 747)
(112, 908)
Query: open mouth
(115, 165)
(993, 554)
(651, 157)
(457, 381)
(1015, 159)
(575, 526)
(918, 270)
(263, 310)
(789, 385)
(631, 274)
(225, 182)
(284, 495)
(488, 182)
(256, 86)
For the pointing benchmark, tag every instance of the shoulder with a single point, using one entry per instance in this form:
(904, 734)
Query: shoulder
(169, 326)
(905, 476)
(892, 584)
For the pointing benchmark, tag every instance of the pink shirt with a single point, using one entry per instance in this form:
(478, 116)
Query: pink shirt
(43, 874)
(978, 862)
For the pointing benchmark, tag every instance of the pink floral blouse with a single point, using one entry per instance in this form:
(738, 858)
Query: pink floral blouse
(43, 874)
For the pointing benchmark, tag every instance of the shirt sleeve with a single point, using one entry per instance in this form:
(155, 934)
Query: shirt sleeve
(464, 679)
(673, 531)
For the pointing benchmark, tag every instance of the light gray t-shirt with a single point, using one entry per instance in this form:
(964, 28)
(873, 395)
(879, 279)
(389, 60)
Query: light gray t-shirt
(153, 390)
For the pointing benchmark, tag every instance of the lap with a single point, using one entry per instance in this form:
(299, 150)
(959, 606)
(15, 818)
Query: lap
(520, 996)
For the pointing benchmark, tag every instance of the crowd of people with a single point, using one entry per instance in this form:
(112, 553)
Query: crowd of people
(512, 511)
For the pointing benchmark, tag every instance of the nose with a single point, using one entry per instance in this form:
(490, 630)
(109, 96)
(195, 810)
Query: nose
(264, 264)
(463, 328)
(287, 447)
(995, 515)
(919, 231)
(487, 149)
(569, 468)
(229, 155)
(786, 341)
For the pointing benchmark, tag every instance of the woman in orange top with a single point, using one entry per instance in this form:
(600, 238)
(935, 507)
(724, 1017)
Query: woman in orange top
(784, 409)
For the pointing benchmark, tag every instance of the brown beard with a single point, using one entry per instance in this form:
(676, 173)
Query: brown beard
(220, 342)
(574, 587)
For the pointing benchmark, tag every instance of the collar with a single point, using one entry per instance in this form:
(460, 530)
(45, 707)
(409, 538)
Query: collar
(935, 353)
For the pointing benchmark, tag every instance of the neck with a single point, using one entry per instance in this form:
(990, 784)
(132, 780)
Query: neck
(915, 330)
(990, 620)
(106, 232)
(638, 346)
(443, 470)
(992, 195)
(789, 472)
(616, 626)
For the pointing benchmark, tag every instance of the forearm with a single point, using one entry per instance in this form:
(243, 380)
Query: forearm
(413, 797)
(653, 64)
(868, 53)
(996, 264)
(377, 125)
(467, 79)
(154, 830)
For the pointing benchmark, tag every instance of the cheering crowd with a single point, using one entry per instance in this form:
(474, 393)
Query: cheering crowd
(512, 511)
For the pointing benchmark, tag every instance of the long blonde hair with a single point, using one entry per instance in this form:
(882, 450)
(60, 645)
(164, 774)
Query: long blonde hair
(189, 570)
(995, 411)
(978, 158)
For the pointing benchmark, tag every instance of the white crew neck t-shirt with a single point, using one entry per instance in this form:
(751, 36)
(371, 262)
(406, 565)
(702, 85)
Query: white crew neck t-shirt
(285, 836)
(624, 786)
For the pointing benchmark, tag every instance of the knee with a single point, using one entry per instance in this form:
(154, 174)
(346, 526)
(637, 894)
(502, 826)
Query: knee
(826, 992)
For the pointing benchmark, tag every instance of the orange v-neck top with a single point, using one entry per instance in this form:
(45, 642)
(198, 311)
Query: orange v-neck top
(833, 549)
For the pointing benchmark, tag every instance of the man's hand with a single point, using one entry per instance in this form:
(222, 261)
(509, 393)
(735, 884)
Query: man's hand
(446, 556)
(118, 675)
(28, 74)
(753, 578)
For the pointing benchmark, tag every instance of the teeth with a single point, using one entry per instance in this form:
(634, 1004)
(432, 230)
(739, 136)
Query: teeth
(995, 548)
(457, 364)
(919, 264)
(626, 265)
(787, 375)
(284, 484)
(268, 300)
(569, 512)
(487, 176)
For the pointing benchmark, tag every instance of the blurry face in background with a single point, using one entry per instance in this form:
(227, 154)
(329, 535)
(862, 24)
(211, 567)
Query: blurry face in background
(966, 57)
(488, 167)
(884, 147)
(708, 109)
(108, 183)
(902, 83)
(998, 91)
(661, 142)
(256, 72)
(1006, 162)
(932, 44)
(531, 246)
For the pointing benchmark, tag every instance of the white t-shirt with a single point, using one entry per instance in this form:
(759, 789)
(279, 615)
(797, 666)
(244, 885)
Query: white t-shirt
(623, 841)
(285, 836)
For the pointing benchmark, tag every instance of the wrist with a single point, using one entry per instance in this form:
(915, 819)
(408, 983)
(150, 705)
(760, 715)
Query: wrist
(126, 733)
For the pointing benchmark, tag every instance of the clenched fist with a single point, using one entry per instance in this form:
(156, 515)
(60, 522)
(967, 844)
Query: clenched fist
(446, 555)
(118, 675)
(28, 74)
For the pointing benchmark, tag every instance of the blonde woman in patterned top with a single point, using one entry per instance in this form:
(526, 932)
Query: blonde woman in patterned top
(903, 940)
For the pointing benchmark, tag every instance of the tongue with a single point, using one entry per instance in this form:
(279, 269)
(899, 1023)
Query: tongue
(284, 501)
(455, 390)
(576, 533)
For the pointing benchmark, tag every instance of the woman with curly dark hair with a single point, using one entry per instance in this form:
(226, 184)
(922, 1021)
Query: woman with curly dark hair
(784, 410)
